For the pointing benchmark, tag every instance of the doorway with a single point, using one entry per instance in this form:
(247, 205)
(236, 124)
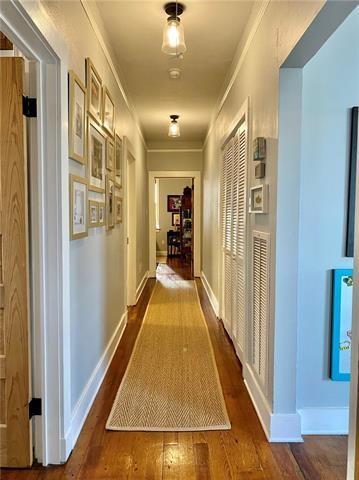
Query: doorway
(174, 221)
(130, 224)
(316, 131)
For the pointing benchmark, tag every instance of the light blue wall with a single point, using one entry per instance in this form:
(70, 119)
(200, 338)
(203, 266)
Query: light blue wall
(330, 89)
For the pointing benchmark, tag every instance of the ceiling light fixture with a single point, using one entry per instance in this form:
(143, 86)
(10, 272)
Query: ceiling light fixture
(173, 34)
(174, 129)
(174, 73)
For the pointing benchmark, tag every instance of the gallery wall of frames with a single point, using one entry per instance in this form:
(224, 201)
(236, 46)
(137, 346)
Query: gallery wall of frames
(94, 143)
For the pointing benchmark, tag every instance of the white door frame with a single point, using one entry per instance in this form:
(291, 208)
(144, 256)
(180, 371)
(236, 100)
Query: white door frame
(130, 243)
(196, 175)
(41, 42)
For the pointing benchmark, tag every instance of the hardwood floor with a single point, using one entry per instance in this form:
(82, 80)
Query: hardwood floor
(240, 453)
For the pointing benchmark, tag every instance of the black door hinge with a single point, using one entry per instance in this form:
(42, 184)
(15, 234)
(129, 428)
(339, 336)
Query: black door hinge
(35, 407)
(29, 107)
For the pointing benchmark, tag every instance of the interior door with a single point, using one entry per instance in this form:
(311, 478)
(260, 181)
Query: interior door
(15, 430)
(233, 199)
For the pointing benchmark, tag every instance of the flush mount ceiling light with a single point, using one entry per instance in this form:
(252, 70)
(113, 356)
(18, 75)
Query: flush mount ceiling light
(173, 35)
(174, 130)
(174, 73)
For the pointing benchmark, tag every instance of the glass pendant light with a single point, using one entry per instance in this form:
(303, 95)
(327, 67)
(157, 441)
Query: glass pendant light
(174, 129)
(173, 34)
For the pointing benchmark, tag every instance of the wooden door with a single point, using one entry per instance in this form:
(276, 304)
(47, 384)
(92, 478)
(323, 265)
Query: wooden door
(15, 434)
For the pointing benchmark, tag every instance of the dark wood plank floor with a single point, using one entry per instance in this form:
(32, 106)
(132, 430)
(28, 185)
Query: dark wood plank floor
(240, 453)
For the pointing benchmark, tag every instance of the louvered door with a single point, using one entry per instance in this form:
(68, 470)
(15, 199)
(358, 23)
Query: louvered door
(233, 199)
(260, 305)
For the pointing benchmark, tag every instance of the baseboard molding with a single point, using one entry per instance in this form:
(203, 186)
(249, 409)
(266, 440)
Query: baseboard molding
(89, 393)
(141, 286)
(211, 296)
(278, 427)
(325, 420)
(162, 253)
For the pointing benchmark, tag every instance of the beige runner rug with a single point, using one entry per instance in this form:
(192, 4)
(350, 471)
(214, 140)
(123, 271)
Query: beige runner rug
(171, 382)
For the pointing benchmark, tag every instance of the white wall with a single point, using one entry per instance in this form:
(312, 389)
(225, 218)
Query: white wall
(274, 29)
(97, 265)
(190, 160)
(168, 186)
(330, 89)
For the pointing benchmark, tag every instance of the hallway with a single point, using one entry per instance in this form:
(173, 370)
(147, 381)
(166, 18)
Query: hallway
(240, 453)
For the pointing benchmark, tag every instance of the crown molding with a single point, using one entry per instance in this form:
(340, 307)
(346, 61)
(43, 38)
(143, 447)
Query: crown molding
(168, 150)
(217, 109)
(102, 42)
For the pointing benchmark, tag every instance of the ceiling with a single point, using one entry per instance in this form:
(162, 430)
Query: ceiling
(212, 32)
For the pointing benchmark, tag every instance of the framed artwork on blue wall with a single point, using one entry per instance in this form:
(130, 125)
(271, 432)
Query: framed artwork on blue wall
(341, 324)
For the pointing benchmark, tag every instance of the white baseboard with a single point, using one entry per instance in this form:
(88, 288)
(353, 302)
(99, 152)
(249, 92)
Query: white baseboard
(141, 286)
(278, 427)
(161, 253)
(211, 296)
(89, 393)
(325, 420)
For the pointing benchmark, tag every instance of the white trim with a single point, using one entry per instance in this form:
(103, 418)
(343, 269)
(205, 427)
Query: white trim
(277, 427)
(172, 150)
(196, 175)
(107, 54)
(211, 296)
(161, 253)
(91, 389)
(141, 286)
(325, 420)
(28, 26)
(252, 32)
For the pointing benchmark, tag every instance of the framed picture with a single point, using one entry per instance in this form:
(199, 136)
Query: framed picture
(96, 157)
(110, 155)
(94, 91)
(342, 304)
(77, 119)
(118, 209)
(118, 161)
(176, 219)
(173, 203)
(108, 112)
(93, 213)
(101, 214)
(110, 202)
(349, 251)
(78, 207)
(258, 200)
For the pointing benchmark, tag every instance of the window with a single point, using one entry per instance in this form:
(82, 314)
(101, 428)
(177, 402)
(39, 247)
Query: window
(157, 202)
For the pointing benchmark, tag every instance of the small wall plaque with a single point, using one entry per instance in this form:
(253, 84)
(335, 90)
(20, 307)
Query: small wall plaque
(260, 170)
(258, 200)
(259, 148)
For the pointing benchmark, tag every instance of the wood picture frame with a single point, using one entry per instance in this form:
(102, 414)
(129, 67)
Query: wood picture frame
(353, 160)
(96, 171)
(77, 119)
(110, 155)
(173, 203)
(118, 160)
(110, 202)
(93, 214)
(342, 302)
(78, 207)
(94, 91)
(108, 112)
(101, 214)
(118, 209)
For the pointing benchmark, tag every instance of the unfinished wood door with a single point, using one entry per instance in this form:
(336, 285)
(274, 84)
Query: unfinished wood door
(15, 434)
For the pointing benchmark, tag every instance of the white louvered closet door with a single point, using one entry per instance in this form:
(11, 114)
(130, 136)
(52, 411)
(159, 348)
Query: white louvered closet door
(233, 198)
(260, 305)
